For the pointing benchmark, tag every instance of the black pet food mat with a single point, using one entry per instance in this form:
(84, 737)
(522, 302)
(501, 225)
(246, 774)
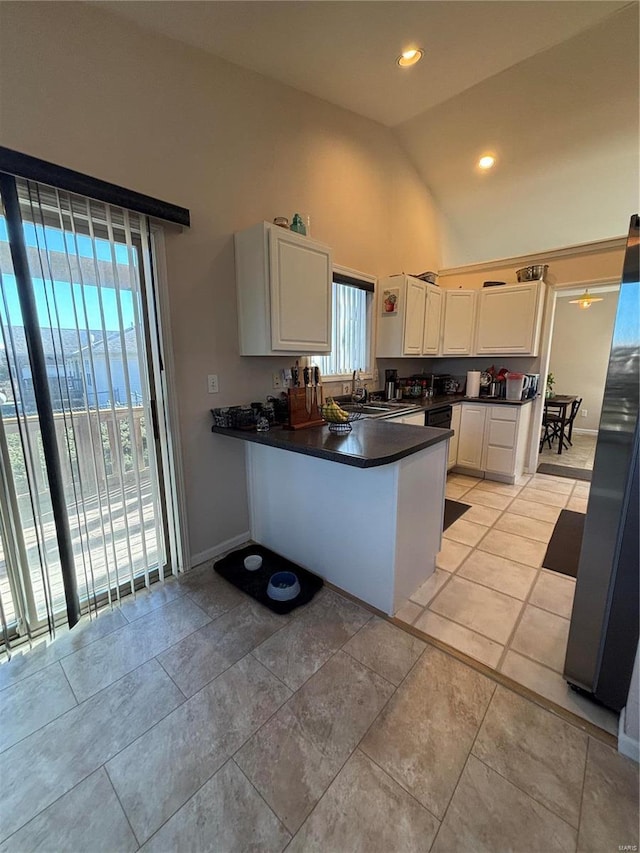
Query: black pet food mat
(232, 569)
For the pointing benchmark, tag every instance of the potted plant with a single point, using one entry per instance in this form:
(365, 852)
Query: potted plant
(550, 383)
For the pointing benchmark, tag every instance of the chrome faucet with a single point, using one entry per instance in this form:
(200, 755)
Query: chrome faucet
(358, 391)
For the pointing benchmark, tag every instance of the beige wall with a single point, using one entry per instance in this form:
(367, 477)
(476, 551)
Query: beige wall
(580, 352)
(89, 91)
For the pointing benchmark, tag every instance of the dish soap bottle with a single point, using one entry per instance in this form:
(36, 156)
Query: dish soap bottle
(298, 225)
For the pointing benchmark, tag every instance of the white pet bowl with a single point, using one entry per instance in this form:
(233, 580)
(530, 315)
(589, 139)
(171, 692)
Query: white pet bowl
(253, 562)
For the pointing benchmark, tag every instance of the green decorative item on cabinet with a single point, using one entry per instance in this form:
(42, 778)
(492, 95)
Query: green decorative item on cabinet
(298, 225)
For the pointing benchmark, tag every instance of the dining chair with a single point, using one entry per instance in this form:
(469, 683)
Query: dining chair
(550, 429)
(568, 427)
(552, 426)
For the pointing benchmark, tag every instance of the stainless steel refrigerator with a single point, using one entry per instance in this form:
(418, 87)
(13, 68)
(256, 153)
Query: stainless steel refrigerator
(603, 636)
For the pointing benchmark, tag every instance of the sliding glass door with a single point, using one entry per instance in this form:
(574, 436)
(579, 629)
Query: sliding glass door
(88, 276)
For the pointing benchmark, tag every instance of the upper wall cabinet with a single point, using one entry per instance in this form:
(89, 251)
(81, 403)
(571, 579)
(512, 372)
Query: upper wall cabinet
(432, 321)
(458, 326)
(284, 284)
(405, 324)
(509, 319)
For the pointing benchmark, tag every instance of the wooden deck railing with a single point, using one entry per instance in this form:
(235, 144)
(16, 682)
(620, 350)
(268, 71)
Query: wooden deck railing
(102, 446)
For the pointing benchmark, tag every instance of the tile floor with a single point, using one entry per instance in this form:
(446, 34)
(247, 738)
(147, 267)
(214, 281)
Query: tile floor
(580, 455)
(489, 596)
(194, 719)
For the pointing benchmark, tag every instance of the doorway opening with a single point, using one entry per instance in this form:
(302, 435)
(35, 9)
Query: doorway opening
(580, 342)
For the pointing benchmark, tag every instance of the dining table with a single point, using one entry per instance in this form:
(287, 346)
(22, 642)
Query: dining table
(561, 402)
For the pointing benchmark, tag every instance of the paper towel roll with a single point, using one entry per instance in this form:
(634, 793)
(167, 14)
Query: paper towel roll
(473, 383)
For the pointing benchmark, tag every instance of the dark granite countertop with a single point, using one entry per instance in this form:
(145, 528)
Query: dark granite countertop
(451, 399)
(496, 401)
(371, 442)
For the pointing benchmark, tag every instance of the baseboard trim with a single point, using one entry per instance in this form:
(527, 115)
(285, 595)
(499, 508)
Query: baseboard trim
(578, 431)
(220, 548)
(627, 745)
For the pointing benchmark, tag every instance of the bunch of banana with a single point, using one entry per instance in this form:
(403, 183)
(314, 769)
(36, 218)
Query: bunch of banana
(332, 412)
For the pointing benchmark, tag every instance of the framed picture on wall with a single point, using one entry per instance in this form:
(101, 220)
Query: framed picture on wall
(390, 301)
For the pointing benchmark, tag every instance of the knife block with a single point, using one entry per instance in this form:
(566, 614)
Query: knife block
(299, 417)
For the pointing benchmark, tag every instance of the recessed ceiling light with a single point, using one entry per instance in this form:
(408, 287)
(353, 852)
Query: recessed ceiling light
(487, 161)
(410, 57)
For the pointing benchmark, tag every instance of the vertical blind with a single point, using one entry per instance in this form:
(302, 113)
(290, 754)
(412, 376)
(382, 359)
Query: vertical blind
(350, 338)
(88, 263)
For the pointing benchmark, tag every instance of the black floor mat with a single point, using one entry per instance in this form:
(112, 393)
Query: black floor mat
(565, 471)
(452, 511)
(563, 551)
(232, 569)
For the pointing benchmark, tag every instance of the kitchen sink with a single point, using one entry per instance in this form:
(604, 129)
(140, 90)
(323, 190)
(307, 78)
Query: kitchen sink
(377, 410)
(366, 408)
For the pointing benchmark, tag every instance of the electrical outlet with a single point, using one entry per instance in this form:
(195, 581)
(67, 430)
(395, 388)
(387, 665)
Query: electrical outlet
(277, 380)
(346, 387)
(584, 413)
(212, 383)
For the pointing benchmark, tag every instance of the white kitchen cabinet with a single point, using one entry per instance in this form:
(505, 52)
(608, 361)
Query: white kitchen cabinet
(458, 325)
(493, 440)
(406, 331)
(509, 319)
(432, 321)
(452, 459)
(284, 287)
(506, 433)
(471, 439)
(414, 316)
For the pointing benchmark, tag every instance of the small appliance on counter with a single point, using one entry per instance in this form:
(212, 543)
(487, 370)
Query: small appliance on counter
(492, 382)
(493, 388)
(443, 384)
(390, 384)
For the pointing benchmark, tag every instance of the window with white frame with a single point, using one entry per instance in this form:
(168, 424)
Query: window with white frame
(351, 325)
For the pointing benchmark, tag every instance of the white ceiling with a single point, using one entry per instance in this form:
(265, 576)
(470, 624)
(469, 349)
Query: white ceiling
(345, 52)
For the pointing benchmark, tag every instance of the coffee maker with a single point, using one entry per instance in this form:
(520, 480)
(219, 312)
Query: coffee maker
(390, 384)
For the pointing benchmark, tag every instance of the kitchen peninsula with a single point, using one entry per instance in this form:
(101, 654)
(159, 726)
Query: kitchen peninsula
(362, 510)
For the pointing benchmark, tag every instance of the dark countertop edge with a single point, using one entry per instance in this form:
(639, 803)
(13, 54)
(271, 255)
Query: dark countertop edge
(412, 406)
(440, 402)
(270, 439)
(497, 401)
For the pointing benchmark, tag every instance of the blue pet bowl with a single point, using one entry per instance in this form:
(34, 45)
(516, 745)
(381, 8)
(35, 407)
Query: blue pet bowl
(283, 586)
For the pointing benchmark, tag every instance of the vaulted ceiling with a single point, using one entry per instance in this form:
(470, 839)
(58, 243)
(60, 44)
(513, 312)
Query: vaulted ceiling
(551, 88)
(345, 52)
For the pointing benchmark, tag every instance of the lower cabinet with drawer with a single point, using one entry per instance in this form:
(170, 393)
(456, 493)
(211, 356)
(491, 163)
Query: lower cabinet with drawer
(493, 440)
